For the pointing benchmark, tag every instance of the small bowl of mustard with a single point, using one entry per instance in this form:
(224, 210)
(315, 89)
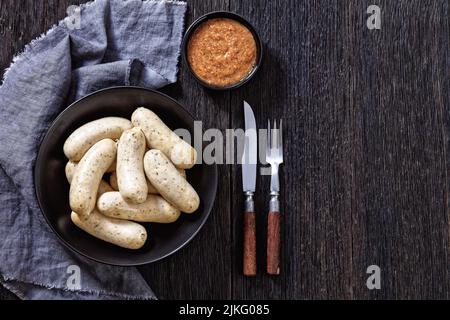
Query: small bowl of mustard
(222, 50)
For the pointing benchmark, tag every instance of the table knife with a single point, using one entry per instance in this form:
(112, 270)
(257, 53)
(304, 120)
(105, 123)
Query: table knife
(249, 167)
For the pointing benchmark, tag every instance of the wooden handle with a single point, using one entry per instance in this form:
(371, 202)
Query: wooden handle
(249, 244)
(273, 243)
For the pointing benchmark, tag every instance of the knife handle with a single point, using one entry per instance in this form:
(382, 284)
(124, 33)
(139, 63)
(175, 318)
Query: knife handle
(249, 238)
(273, 238)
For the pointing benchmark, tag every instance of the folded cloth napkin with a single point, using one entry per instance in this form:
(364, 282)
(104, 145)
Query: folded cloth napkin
(104, 43)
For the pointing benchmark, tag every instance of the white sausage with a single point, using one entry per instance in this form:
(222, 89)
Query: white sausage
(151, 189)
(71, 167)
(125, 234)
(89, 174)
(85, 137)
(130, 167)
(103, 187)
(70, 170)
(169, 182)
(115, 185)
(160, 137)
(154, 209)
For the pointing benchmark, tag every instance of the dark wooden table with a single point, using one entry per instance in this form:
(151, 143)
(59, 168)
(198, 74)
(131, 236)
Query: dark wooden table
(366, 157)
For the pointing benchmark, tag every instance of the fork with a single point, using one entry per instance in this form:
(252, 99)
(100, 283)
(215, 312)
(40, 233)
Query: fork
(274, 156)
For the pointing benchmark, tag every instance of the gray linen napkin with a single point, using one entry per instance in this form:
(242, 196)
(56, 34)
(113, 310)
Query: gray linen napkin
(113, 43)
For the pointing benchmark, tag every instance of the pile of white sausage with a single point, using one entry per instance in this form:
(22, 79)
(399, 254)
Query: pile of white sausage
(146, 161)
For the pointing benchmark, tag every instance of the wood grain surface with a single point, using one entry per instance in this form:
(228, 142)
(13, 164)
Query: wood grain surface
(367, 137)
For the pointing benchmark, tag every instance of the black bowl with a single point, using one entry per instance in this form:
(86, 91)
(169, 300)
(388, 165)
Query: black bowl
(52, 188)
(230, 15)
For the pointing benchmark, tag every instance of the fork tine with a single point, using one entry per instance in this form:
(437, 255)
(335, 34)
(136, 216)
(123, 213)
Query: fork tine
(278, 137)
(274, 139)
(277, 145)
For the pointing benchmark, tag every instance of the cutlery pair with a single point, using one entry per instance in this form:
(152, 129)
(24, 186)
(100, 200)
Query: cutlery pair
(274, 156)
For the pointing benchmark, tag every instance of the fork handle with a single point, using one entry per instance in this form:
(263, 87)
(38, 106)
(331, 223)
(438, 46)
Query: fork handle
(273, 238)
(249, 252)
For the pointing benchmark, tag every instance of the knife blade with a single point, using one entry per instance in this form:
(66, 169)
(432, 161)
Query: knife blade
(249, 157)
(249, 167)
